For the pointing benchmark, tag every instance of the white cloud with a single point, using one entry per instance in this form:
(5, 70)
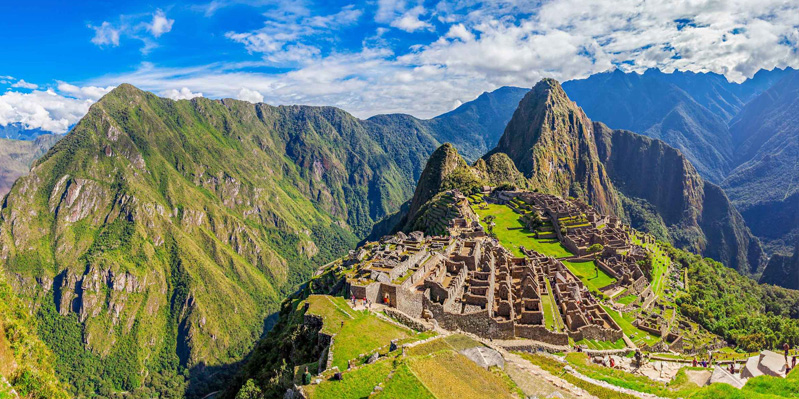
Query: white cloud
(410, 22)
(85, 93)
(42, 109)
(252, 96)
(142, 27)
(22, 84)
(105, 34)
(182, 94)
(281, 40)
(160, 24)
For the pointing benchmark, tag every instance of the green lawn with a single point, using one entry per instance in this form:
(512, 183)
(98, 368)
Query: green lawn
(355, 384)
(403, 384)
(362, 332)
(602, 345)
(587, 273)
(552, 319)
(626, 300)
(625, 322)
(518, 235)
(660, 264)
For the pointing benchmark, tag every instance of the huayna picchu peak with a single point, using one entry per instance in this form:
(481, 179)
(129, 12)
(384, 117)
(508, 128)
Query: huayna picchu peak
(240, 199)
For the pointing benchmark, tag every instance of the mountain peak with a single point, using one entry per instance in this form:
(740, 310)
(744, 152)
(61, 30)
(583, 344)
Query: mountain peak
(550, 140)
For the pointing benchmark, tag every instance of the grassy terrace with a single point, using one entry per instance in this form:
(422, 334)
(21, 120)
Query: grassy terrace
(552, 318)
(660, 264)
(434, 370)
(361, 333)
(624, 321)
(510, 231)
(587, 273)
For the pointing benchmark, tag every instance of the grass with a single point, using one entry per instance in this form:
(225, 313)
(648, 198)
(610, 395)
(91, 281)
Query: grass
(555, 367)
(518, 235)
(552, 318)
(602, 345)
(362, 332)
(626, 300)
(452, 375)
(355, 384)
(637, 335)
(660, 264)
(587, 273)
(403, 384)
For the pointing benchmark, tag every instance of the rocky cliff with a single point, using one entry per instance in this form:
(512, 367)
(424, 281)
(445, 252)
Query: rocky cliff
(551, 142)
(783, 270)
(693, 214)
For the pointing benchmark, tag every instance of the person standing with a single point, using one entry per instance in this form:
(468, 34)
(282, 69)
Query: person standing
(787, 349)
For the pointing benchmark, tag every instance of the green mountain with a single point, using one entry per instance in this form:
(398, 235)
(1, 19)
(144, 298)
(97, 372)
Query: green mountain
(550, 141)
(764, 183)
(664, 195)
(783, 270)
(17, 156)
(642, 180)
(154, 239)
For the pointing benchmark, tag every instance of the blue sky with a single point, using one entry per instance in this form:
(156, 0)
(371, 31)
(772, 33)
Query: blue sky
(368, 57)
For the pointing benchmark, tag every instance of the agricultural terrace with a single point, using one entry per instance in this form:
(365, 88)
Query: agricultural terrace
(660, 264)
(625, 321)
(592, 276)
(434, 370)
(511, 232)
(361, 333)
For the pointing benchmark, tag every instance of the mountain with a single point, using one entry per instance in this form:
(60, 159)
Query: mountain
(476, 126)
(663, 194)
(783, 270)
(158, 235)
(640, 179)
(17, 156)
(550, 141)
(689, 111)
(764, 185)
(18, 131)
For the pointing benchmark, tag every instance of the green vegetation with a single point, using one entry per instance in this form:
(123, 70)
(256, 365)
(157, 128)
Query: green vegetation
(404, 384)
(590, 274)
(627, 299)
(451, 375)
(356, 384)
(512, 233)
(356, 332)
(555, 367)
(25, 362)
(625, 322)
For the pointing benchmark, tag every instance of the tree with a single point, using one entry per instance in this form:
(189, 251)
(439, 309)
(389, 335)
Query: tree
(250, 391)
(596, 248)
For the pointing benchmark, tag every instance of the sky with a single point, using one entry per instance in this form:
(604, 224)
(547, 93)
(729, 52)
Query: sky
(368, 57)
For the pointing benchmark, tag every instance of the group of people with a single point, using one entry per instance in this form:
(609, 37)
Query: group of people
(366, 302)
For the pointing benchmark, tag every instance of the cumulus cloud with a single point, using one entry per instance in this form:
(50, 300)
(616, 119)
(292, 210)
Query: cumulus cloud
(22, 84)
(160, 24)
(182, 94)
(105, 34)
(410, 21)
(252, 96)
(481, 46)
(42, 109)
(85, 92)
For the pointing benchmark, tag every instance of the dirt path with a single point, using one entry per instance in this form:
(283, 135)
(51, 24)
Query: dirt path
(536, 382)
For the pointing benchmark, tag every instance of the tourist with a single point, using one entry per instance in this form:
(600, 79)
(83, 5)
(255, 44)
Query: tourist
(695, 362)
(306, 377)
(353, 299)
(787, 349)
(612, 363)
(793, 362)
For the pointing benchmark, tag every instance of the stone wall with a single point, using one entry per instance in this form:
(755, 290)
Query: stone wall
(410, 302)
(540, 333)
(407, 320)
(596, 333)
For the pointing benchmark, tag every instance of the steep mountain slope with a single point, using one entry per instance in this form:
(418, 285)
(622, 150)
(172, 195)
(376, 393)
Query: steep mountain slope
(765, 184)
(17, 156)
(158, 234)
(551, 142)
(652, 185)
(476, 126)
(783, 270)
(689, 111)
(685, 209)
